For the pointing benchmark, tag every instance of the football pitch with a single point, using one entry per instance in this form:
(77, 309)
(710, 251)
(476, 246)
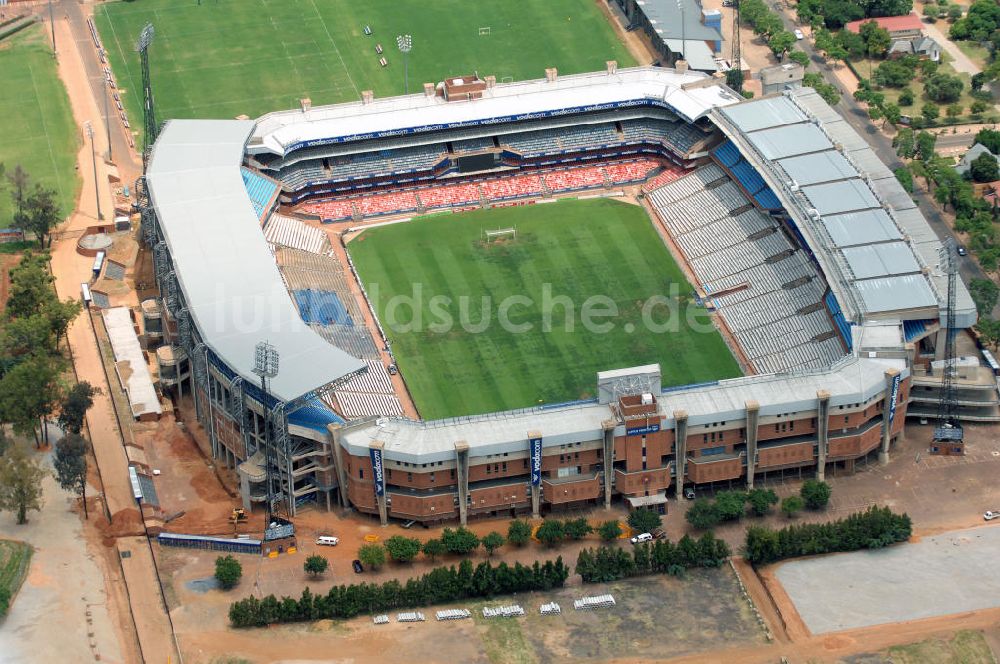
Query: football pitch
(223, 58)
(36, 123)
(479, 326)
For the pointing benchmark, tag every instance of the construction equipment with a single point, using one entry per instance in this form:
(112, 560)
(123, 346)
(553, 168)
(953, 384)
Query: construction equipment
(238, 516)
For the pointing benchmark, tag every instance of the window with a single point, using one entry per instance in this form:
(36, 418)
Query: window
(388, 473)
(361, 473)
(452, 471)
(505, 466)
(409, 477)
(713, 450)
(489, 469)
(525, 464)
(704, 438)
(432, 477)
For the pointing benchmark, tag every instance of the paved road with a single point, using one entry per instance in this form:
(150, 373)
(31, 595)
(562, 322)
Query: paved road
(949, 141)
(858, 118)
(959, 61)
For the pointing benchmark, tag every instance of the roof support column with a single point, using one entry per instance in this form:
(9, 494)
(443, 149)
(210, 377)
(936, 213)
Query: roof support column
(680, 450)
(535, 476)
(822, 431)
(888, 413)
(753, 419)
(609, 460)
(462, 475)
(333, 433)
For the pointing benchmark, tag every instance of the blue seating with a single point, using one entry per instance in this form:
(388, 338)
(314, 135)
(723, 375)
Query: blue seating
(322, 307)
(748, 177)
(727, 154)
(259, 189)
(314, 415)
(767, 200)
(838, 318)
(914, 328)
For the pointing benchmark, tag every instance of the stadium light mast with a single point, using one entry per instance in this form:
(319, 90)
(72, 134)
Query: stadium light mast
(52, 26)
(680, 6)
(148, 116)
(107, 116)
(405, 44)
(93, 153)
(265, 365)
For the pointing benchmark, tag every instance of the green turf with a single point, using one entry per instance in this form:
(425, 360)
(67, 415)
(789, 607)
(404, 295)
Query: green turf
(228, 57)
(581, 248)
(36, 123)
(14, 559)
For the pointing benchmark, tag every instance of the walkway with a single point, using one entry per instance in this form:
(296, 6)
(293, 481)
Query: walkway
(960, 62)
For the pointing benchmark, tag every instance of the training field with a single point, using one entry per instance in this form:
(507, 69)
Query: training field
(228, 57)
(36, 123)
(576, 249)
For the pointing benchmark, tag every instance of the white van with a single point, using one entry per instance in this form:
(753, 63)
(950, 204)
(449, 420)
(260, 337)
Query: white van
(327, 540)
(642, 537)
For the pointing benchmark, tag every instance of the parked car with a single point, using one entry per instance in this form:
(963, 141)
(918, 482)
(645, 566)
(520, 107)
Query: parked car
(962, 251)
(689, 493)
(642, 537)
(358, 567)
(989, 515)
(799, 35)
(327, 540)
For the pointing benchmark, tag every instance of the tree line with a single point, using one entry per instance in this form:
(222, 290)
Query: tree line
(35, 208)
(440, 585)
(874, 528)
(604, 564)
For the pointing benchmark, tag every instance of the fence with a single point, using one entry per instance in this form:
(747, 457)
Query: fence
(226, 544)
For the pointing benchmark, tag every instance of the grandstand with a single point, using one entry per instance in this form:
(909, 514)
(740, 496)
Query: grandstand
(799, 239)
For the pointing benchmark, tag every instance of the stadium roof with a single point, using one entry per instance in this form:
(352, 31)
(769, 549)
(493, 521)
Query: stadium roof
(852, 380)
(691, 95)
(227, 275)
(843, 198)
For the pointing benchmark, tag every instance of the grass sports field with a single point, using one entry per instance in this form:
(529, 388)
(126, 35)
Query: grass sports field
(36, 123)
(580, 249)
(221, 58)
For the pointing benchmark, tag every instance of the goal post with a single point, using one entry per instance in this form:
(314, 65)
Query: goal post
(484, 32)
(500, 234)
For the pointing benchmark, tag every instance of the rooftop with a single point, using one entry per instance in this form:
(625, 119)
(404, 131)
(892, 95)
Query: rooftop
(130, 364)
(691, 95)
(228, 277)
(891, 23)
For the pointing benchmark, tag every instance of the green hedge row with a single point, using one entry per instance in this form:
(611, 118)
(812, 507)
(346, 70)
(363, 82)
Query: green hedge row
(440, 585)
(662, 557)
(874, 528)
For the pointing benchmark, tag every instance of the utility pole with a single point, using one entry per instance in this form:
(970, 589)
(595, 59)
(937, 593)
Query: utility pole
(405, 44)
(93, 153)
(107, 116)
(52, 26)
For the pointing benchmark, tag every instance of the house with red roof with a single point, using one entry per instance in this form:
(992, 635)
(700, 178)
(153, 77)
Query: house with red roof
(907, 33)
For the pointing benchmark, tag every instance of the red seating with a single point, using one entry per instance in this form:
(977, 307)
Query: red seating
(575, 178)
(666, 177)
(449, 195)
(338, 209)
(399, 201)
(632, 171)
(519, 186)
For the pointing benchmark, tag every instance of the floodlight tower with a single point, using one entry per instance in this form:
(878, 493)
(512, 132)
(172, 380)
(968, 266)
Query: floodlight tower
(148, 117)
(265, 365)
(735, 80)
(680, 6)
(87, 127)
(948, 431)
(405, 44)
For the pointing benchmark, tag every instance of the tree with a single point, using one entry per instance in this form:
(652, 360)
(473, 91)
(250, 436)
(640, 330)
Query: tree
(932, 12)
(852, 43)
(433, 548)
(30, 286)
(893, 74)
(984, 168)
(815, 493)
(984, 293)
(71, 466)
(28, 394)
(953, 111)
(402, 549)
(828, 92)
(74, 406)
(877, 39)
(609, 531)
(906, 97)
(730, 504)
(954, 13)
(518, 532)
(315, 565)
(799, 58)
(990, 139)
(790, 505)
(642, 520)
(761, 500)
(905, 143)
(943, 88)
(18, 179)
(703, 514)
(926, 142)
(40, 214)
(905, 178)
(930, 111)
(461, 541)
(978, 107)
(781, 42)
(492, 541)
(372, 555)
(577, 529)
(20, 483)
(228, 571)
(551, 532)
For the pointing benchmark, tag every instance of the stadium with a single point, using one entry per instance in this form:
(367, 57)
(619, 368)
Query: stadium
(821, 279)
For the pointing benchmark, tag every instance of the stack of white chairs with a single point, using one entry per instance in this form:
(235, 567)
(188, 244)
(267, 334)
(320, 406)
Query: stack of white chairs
(454, 614)
(596, 602)
(550, 609)
(511, 611)
(410, 616)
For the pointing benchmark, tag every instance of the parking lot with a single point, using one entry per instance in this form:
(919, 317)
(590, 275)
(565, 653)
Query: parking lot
(938, 575)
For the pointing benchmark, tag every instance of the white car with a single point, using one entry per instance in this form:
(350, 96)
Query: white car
(989, 515)
(799, 35)
(327, 540)
(642, 537)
